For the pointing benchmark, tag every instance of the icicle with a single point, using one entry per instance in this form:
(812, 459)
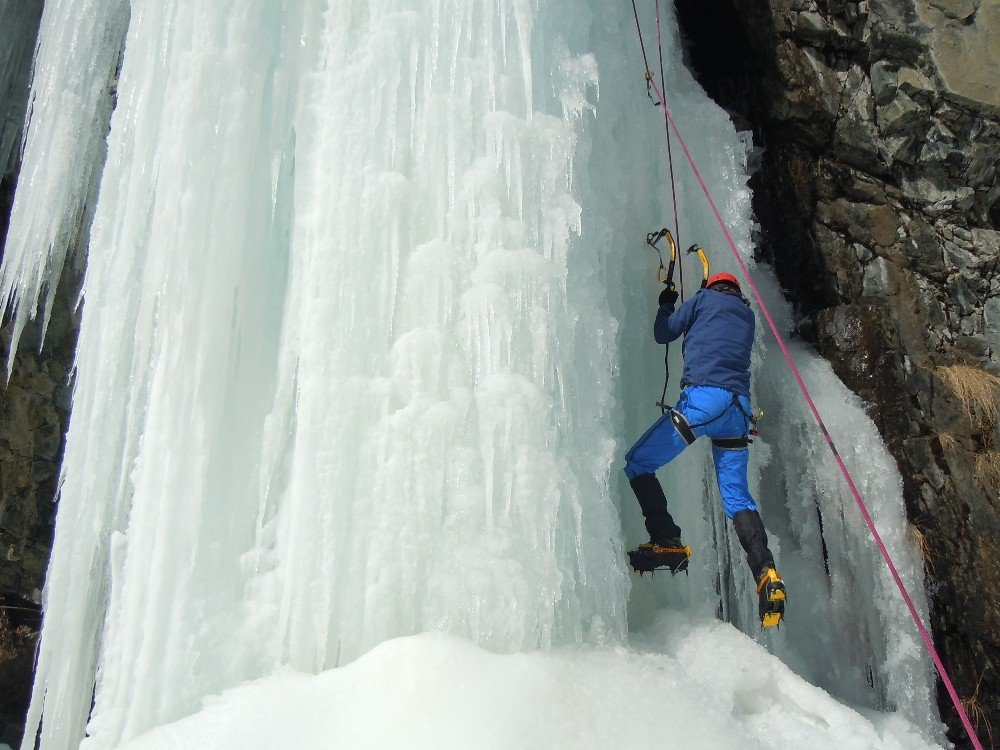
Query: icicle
(72, 94)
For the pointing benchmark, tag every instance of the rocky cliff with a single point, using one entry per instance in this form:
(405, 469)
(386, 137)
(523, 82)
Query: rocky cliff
(878, 203)
(34, 412)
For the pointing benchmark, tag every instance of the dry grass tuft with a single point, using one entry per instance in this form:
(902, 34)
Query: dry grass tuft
(978, 390)
(988, 468)
(977, 714)
(925, 550)
(948, 441)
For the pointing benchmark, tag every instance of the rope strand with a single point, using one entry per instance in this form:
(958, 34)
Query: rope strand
(642, 45)
(670, 155)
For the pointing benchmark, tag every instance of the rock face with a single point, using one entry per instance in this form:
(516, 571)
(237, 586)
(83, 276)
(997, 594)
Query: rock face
(34, 412)
(878, 201)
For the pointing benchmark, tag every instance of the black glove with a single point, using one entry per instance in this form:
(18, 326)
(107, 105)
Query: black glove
(668, 296)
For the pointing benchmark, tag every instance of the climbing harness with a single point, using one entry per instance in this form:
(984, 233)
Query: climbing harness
(686, 430)
(862, 507)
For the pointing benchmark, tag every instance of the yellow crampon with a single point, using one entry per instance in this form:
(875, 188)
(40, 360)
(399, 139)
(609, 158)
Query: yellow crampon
(771, 592)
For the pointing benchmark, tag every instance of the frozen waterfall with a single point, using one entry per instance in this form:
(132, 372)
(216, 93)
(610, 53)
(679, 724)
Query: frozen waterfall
(366, 329)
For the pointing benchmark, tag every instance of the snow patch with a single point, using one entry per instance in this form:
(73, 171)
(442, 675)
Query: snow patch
(697, 684)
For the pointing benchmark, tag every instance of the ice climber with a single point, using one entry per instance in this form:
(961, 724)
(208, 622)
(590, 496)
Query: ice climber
(718, 328)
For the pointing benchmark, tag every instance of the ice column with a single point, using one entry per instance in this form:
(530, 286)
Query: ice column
(439, 450)
(183, 299)
(330, 385)
(854, 614)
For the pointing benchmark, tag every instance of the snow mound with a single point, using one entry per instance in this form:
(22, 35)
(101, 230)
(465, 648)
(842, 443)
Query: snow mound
(695, 684)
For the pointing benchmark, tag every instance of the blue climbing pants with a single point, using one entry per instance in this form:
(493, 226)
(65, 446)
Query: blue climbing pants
(708, 411)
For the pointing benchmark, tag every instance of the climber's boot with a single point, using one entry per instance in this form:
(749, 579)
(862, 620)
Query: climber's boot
(771, 597)
(770, 588)
(670, 554)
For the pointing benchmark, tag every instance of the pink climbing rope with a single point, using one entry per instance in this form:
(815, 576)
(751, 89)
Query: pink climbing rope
(840, 461)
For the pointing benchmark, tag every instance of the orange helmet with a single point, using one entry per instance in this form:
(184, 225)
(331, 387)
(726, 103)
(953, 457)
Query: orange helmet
(723, 277)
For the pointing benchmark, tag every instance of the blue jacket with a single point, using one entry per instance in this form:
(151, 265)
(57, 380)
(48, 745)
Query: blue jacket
(718, 335)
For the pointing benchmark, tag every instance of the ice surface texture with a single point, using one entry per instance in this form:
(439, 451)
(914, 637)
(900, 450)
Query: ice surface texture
(366, 328)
